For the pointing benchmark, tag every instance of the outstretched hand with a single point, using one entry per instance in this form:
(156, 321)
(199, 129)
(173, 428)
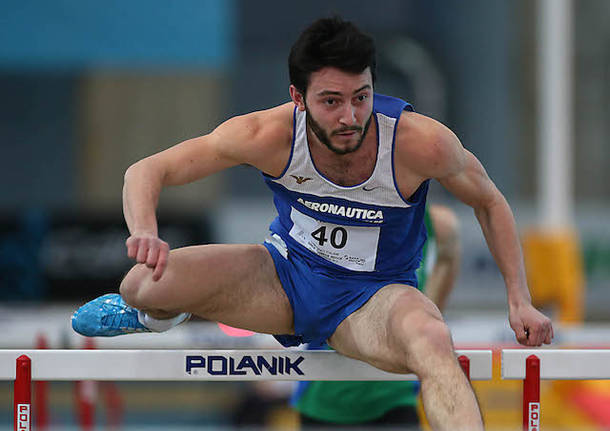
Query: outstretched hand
(532, 328)
(150, 250)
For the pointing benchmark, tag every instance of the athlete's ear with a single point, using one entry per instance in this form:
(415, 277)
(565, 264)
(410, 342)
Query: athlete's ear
(297, 97)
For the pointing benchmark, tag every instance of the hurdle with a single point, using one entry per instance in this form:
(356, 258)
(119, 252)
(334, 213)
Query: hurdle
(531, 366)
(24, 366)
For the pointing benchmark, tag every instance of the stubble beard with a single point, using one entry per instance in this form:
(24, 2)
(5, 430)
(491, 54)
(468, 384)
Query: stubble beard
(325, 139)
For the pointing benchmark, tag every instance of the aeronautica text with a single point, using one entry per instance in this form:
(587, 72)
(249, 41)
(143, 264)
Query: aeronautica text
(375, 216)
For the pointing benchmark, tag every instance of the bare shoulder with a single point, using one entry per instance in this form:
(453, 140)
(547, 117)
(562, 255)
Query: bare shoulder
(268, 122)
(261, 138)
(427, 147)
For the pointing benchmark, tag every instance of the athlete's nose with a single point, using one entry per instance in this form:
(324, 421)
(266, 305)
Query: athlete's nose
(348, 115)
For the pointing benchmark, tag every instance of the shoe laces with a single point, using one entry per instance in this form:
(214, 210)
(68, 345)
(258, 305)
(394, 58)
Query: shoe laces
(120, 316)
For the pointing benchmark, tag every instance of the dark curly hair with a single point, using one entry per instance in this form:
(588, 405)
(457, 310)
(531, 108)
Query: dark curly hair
(330, 42)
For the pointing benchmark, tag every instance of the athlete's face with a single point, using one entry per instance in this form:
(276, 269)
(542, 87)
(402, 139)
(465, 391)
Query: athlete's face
(339, 107)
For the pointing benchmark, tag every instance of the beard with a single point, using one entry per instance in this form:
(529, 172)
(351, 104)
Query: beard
(323, 136)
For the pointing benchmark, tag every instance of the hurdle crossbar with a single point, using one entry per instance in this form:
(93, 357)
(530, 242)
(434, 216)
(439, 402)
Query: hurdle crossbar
(531, 366)
(558, 364)
(227, 365)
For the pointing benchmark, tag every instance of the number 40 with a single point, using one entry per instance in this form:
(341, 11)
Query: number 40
(338, 236)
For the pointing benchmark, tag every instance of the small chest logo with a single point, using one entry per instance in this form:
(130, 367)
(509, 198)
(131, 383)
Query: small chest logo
(299, 179)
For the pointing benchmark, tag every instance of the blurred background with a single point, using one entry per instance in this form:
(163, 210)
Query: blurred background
(88, 88)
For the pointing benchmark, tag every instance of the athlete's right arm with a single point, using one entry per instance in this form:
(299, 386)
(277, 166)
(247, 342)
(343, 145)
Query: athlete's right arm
(255, 139)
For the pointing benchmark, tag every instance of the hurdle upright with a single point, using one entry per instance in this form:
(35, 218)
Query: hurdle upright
(533, 365)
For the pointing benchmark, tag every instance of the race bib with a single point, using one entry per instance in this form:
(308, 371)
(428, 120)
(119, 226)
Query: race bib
(352, 247)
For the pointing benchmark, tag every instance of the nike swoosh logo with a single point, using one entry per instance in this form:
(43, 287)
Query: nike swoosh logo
(371, 189)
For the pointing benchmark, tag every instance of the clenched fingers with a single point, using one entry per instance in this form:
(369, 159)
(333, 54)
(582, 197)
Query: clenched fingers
(161, 261)
(132, 247)
(538, 334)
(521, 334)
(143, 246)
(149, 250)
(153, 255)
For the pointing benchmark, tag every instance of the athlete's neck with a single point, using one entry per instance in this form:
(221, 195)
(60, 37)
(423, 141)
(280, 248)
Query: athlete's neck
(345, 169)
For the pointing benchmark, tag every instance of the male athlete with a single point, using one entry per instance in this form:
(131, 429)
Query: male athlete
(349, 170)
(373, 405)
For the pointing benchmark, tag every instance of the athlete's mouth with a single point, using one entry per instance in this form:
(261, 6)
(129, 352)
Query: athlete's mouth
(349, 132)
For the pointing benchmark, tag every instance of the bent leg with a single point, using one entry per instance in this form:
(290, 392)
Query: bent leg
(233, 284)
(400, 330)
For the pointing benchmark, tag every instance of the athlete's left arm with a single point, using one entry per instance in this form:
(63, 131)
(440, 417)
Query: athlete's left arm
(442, 156)
(466, 178)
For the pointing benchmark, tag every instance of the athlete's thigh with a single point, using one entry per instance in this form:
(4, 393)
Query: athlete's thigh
(374, 333)
(230, 283)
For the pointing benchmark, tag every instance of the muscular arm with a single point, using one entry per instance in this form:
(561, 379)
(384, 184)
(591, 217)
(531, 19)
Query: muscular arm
(473, 187)
(183, 163)
(469, 182)
(256, 139)
(435, 152)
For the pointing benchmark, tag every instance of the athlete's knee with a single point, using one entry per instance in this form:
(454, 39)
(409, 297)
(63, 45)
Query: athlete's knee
(137, 288)
(424, 337)
(435, 334)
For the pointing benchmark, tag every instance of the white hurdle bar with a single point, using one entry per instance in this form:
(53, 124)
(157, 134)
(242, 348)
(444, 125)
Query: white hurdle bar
(23, 366)
(558, 364)
(531, 366)
(226, 365)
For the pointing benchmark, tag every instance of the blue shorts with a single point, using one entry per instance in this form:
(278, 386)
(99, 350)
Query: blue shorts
(320, 298)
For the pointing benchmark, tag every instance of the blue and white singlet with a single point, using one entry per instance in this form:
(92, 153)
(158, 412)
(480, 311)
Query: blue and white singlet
(369, 228)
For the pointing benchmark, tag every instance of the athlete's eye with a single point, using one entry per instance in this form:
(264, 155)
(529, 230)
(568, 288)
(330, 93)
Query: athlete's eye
(330, 102)
(362, 97)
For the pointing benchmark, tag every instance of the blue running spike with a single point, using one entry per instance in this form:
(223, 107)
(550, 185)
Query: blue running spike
(107, 316)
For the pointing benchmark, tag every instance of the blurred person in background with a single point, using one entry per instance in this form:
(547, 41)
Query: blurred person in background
(372, 405)
(264, 405)
(349, 170)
